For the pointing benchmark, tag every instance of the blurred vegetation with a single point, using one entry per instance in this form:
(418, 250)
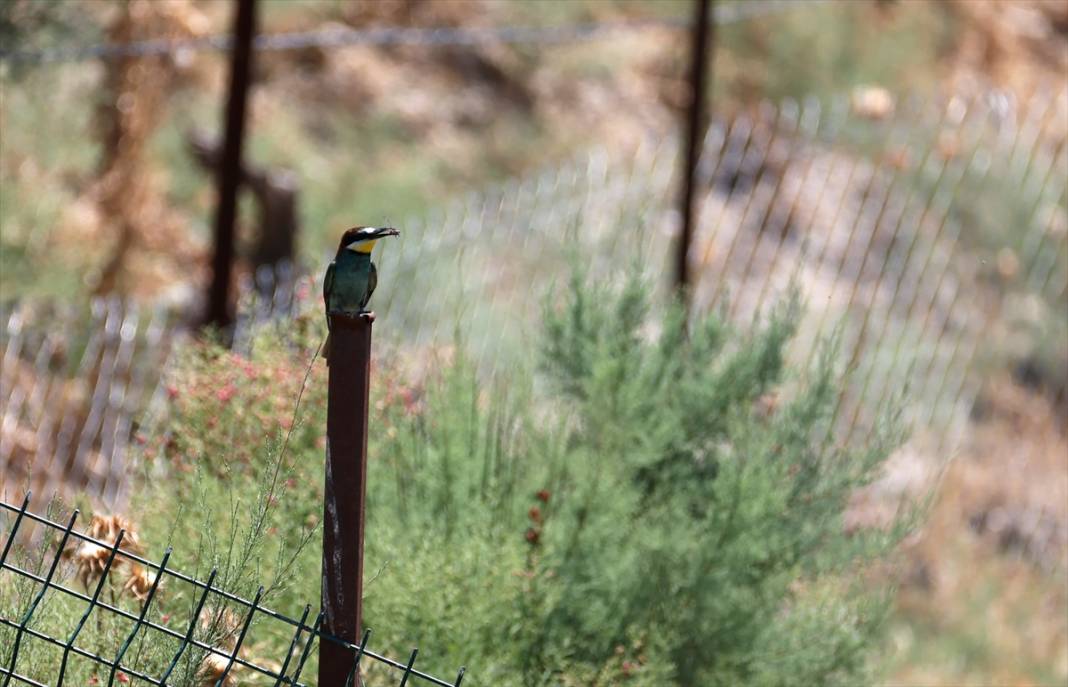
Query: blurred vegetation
(372, 162)
(31, 24)
(642, 516)
(830, 48)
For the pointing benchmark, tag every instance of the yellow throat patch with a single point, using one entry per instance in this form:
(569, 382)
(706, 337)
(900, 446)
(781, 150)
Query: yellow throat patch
(363, 246)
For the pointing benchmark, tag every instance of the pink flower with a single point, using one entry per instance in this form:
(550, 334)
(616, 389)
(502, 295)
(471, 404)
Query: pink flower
(226, 393)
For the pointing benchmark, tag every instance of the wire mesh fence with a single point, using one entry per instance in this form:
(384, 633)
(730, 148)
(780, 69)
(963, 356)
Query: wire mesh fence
(916, 237)
(888, 255)
(875, 221)
(73, 385)
(79, 389)
(142, 628)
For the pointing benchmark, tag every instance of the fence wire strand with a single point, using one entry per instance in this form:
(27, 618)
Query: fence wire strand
(338, 37)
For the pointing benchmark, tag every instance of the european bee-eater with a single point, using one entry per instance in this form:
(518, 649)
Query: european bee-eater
(351, 278)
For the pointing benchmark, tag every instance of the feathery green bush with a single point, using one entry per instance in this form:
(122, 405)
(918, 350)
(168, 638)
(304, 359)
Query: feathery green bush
(649, 507)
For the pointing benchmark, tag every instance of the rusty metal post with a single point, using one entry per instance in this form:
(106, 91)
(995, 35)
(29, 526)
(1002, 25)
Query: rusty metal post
(346, 488)
(229, 173)
(702, 36)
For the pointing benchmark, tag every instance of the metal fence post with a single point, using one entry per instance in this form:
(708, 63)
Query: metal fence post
(229, 173)
(346, 487)
(702, 31)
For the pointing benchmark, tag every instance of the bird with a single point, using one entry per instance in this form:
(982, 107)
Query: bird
(351, 278)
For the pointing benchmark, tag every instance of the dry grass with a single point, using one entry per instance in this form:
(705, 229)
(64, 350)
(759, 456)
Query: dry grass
(984, 600)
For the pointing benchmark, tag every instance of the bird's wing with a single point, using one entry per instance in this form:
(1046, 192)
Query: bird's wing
(328, 286)
(372, 282)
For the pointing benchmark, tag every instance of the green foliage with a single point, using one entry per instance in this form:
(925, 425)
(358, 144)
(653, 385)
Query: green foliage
(705, 515)
(43, 154)
(646, 516)
(232, 538)
(641, 521)
(220, 489)
(33, 25)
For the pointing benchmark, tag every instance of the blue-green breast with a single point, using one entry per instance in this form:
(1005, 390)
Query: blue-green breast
(349, 282)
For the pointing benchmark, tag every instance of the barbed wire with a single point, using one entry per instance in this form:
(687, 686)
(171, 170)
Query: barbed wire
(338, 37)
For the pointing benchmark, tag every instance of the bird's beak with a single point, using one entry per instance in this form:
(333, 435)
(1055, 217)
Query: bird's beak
(369, 237)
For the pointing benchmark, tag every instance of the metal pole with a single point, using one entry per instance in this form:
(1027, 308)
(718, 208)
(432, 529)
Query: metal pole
(229, 174)
(699, 68)
(346, 488)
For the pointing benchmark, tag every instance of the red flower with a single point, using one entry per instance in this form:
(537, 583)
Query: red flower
(172, 392)
(226, 393)
(535, 514)
(543, 495)
(533, 535)
(123, 677)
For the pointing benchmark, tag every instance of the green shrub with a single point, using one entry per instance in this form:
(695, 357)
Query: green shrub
(650, 508)
(644, 519)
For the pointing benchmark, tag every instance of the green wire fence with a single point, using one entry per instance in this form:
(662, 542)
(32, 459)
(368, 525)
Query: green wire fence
(199, 649)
